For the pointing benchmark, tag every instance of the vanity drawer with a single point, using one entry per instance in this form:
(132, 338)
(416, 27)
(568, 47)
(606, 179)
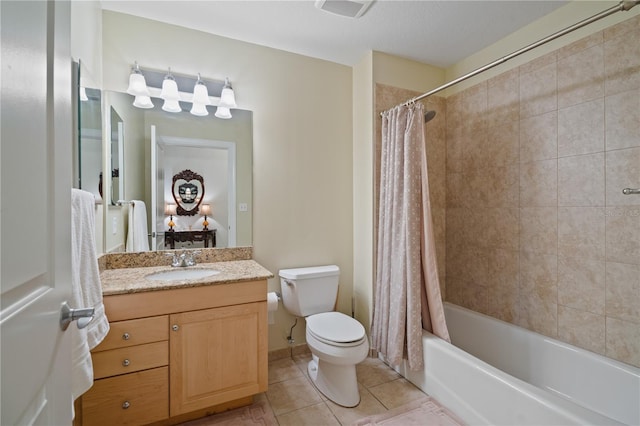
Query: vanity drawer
(135, 332)
(132, 399)
(127, 360)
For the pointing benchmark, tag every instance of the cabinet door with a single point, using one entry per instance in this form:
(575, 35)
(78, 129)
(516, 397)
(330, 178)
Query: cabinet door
(217, 355)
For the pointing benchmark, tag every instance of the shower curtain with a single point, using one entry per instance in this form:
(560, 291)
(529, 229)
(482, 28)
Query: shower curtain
(407, 292)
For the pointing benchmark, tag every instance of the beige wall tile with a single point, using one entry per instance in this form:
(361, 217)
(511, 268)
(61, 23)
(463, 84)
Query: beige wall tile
(503, 99)
(502, 228)
(623, 341)
(581, 232)
(623, 171)
(623, 292)
(503, 144)
(539, 183)
(538, 293)
(581, 129)
(624, 28)
(581, 77)
(539, 137)
(474, 107)
(582, 329)
(539, 63)
(504, 267)
(538, 91)
(457, 188)
(502, 186)
(581, 284)
(474, 143)
(623, 234)
(454, 148)
(581, 180)
(585, 43)
(623, 120)
(539, 229)
(622, 63)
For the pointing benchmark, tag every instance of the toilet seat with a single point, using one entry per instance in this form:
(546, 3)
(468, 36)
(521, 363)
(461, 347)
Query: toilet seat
(336, 329)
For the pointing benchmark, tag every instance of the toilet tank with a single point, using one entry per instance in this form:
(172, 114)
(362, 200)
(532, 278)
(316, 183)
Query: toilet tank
(308, 291)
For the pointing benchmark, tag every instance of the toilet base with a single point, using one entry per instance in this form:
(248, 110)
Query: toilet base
(337, 382)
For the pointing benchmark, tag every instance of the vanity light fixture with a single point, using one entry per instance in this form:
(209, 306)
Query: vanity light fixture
(222, 112)
(137, 83)
(170, 94)
(227, 97)
(166, 86)
(205, 210)
(143, 102)
(200, 98)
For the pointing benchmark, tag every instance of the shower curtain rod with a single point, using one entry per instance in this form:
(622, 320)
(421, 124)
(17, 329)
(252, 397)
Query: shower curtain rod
(624, 5)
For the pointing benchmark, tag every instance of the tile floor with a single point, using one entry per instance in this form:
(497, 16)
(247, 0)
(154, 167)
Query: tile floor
(295, 401)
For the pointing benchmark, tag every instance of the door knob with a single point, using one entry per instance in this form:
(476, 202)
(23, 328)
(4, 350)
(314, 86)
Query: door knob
(83, 316)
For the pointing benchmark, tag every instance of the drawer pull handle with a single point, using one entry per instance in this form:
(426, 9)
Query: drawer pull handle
(126, 362)
(126, 405)
(125, 336)
(175, 327)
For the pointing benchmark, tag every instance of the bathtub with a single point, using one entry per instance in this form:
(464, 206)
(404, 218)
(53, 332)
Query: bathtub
(501, 374)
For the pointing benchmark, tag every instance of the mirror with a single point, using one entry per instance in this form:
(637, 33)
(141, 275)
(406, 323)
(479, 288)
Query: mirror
(117, 152)
(90, 143)
(158, 145)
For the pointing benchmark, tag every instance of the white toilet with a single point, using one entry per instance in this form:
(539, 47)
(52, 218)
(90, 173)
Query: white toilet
(337, 341)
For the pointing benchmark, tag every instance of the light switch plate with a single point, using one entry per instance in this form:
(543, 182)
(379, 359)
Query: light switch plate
(243, 207)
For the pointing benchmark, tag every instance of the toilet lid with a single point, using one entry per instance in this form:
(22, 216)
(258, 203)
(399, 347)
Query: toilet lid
(335, 327)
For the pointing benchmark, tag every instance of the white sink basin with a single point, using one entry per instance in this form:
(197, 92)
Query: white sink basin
(182, 274)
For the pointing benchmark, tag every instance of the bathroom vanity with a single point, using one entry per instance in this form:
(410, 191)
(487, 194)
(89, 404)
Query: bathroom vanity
(179, 349)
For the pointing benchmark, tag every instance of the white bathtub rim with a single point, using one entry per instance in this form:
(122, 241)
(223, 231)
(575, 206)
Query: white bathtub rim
(567, 412)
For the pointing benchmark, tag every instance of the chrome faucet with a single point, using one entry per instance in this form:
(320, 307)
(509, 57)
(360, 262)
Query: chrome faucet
(184, 259)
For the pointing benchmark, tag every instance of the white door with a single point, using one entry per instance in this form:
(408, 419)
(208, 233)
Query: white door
(35, 206)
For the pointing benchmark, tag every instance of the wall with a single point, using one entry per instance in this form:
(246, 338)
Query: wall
(302, 145)
(538, 231)
(86, 41)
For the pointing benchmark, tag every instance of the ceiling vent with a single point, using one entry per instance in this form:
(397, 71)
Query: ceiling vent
(348, 8)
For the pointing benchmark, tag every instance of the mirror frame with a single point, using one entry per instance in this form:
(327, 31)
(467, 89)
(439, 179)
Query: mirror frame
(186, 175)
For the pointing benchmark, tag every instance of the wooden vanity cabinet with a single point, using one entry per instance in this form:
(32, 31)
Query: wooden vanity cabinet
(179, 354)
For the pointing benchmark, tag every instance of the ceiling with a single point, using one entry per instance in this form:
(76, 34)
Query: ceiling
(439, 33)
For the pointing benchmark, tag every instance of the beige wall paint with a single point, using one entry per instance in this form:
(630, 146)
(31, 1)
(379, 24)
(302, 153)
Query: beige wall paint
(86, 41)
(562, 18)
(363, 157)
(302, 111)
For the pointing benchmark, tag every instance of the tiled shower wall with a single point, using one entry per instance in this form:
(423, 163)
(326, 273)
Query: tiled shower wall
(538, 232)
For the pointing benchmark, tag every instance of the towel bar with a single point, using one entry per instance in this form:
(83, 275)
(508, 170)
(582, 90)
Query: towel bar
(629, 191)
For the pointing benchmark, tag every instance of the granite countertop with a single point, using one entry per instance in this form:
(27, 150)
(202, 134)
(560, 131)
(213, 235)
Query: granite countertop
(133, 280)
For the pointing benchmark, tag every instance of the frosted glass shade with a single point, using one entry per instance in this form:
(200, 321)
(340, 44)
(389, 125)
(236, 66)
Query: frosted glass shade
(83, 94)
(222, 112)
(228, 98)
(143, 102)
(171, 106)
(137, 85)
(169, 90)
(201, 94)
(199, 109)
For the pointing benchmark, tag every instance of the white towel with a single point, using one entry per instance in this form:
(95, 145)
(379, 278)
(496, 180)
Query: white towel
(86, 290)
(137, 235)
